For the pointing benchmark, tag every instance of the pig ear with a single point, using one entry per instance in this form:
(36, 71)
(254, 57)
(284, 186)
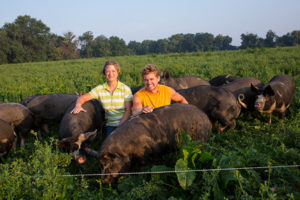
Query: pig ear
(89, 135)
(269, 91)
(107, 156)
(166, 74)
(254, 88)
(64, 142)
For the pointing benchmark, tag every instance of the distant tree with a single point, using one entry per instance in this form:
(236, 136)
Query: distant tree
(296, 37)
(251, 40)
(86, 43)
(222, 42)
(56, 47)
(29, 38)
(70, 46)
(101, 47)
(188, 43)
(135, 47)
(175, 42)
(4, 46)
(270, 40)
(147, 47)
(162, 46)
(204, 41)
(285, 40)
(118, 46)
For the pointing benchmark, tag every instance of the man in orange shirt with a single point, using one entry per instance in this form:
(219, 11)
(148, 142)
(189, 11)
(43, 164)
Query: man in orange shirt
(153, 95)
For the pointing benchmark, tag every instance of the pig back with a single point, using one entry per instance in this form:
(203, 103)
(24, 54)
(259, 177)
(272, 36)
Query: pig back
(284, 89)
(50, 106)
(218, 103)
(157, 130)
(74, 124)
(17, 115)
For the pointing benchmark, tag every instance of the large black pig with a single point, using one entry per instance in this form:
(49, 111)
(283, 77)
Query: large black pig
(136, 89)
(181, 82)
(7, 137)
(47, 108)
(75, 129)
(19, 117)
(149, 135)
(222, 80)
(276, 96)
(218, 103)
(241, 88)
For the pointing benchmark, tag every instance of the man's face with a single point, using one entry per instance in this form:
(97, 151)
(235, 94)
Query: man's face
(151, 82)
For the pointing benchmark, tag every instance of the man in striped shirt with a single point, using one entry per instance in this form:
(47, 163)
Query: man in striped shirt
(115, 96)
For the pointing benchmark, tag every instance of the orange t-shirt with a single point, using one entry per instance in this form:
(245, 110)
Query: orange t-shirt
(161, 98)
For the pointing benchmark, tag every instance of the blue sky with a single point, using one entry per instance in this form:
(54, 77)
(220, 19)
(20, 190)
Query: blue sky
(158, 19)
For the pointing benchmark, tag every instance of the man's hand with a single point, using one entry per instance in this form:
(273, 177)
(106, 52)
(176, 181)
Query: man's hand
(147, 109)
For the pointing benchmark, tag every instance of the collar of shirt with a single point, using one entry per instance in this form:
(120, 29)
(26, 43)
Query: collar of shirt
(119, 86)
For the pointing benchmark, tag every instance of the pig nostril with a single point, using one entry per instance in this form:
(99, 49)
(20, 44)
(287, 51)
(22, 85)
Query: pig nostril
(257, 105)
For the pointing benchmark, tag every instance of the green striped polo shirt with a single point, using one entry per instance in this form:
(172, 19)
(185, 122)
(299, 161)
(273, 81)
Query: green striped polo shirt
(114, 104)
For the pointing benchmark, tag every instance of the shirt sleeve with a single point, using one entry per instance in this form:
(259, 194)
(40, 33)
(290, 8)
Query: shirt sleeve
(128, 94)
(94, 92)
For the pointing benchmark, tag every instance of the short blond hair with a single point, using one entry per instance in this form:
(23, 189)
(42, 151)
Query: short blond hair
(111, 62)
(150, 68)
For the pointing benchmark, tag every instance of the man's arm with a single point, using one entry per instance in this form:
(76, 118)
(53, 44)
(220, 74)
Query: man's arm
(175, 96)
(138, 108)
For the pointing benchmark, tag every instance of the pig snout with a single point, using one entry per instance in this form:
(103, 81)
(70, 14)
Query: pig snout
(259, 105)
(80, 159)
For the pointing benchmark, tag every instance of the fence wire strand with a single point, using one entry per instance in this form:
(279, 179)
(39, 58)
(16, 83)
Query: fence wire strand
(175, 171)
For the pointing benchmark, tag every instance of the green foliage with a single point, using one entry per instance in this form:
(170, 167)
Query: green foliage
(191, 153)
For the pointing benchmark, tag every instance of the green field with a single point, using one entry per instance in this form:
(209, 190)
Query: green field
(35, 172)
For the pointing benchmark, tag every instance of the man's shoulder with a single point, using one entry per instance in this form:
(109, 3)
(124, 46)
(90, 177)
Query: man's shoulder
(164, 87)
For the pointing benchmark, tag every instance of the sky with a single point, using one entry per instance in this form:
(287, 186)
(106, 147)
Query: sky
(138, 20)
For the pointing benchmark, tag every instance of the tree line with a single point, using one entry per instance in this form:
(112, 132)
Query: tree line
(28, 39)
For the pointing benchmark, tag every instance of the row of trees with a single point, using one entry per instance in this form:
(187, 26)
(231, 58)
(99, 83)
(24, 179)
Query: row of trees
(28, 39)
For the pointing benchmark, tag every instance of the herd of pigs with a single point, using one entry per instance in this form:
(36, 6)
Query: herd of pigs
(221, 100)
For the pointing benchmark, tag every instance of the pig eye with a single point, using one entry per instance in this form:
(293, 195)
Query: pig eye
(74, 147)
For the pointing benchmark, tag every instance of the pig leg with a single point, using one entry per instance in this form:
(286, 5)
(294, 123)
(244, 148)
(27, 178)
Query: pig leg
(21, 134)
(22, 144)
(270, 118)
(14, 145)
(45, 127)
(39, 135)
(221, 129)
(282, 115)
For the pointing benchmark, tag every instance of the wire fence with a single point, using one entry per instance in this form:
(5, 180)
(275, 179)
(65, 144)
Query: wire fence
(176, 171)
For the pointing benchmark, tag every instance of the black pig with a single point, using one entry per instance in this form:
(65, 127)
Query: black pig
(19, 116)
(241, 88)
(181, 82)
(75, 129)
(50, 107)
(218, 103)
(222, 80)
(276, 96)
(151, 134)
(7, 137)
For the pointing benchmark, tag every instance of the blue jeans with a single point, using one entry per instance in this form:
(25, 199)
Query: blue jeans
(110, 129)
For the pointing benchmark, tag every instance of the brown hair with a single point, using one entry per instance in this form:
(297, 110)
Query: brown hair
(150, 68)
(111, 62)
